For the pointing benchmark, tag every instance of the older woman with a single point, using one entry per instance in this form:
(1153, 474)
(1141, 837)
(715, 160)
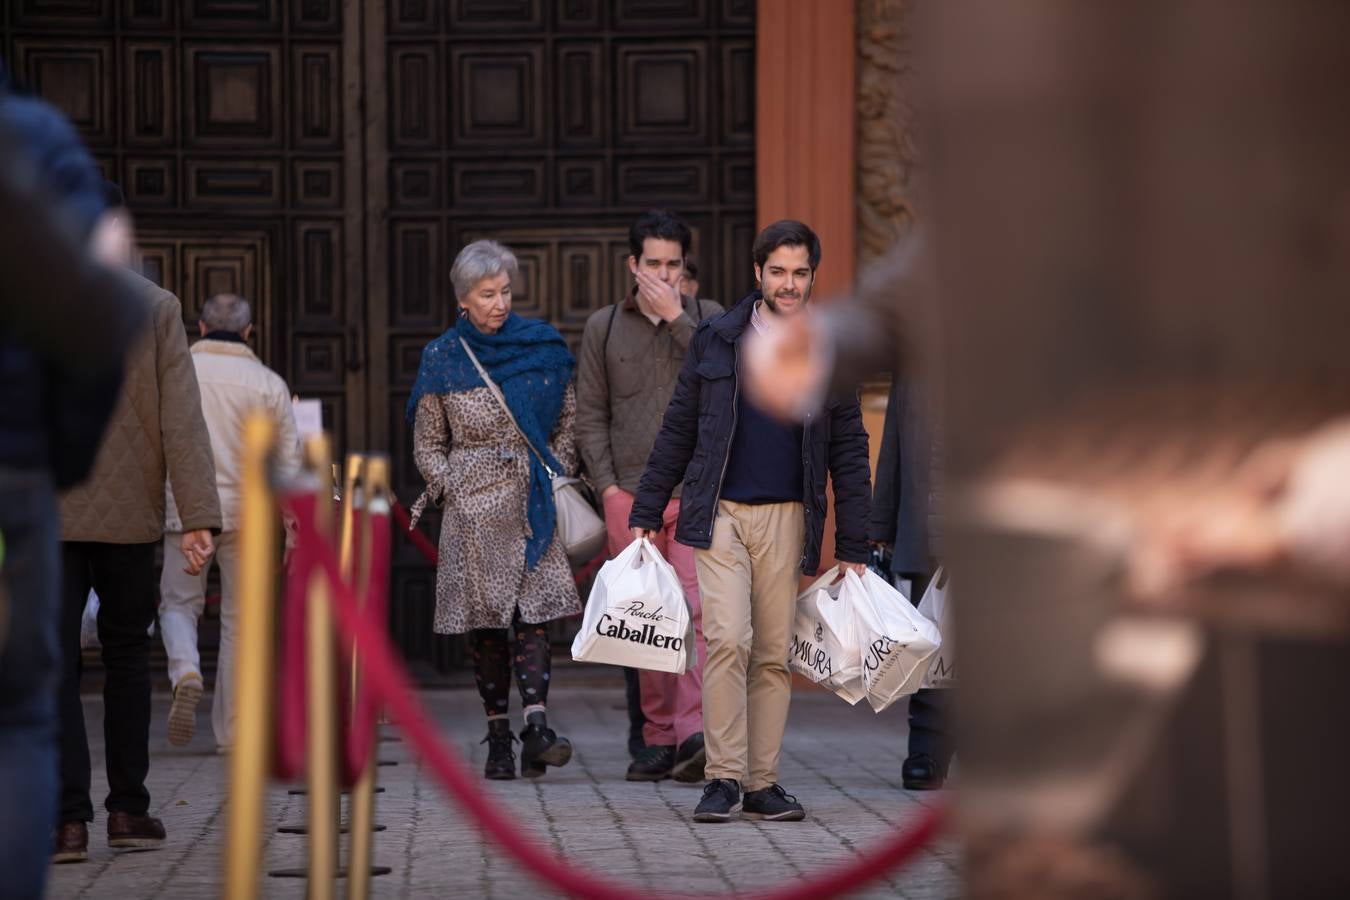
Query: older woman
(500, 566)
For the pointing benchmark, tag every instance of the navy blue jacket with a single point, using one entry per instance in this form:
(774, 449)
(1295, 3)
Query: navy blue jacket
(695, 441)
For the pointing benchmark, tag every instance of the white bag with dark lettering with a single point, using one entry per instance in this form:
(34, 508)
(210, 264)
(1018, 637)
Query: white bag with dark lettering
(825, 645)
(936, 607)
(637, 614)
(899, 643)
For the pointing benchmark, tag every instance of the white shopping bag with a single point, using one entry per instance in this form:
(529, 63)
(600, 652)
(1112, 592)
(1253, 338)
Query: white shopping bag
(900, 642)
(825, 644)
(936, 607)
(637, 615)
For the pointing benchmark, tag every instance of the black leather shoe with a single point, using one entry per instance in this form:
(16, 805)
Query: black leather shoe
(501, 761)
(541, 746)
(922, 773)
(652, 764)
(690, 760)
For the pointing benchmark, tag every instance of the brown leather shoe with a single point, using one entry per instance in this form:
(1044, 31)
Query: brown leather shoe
(128, 832)
(72, 843)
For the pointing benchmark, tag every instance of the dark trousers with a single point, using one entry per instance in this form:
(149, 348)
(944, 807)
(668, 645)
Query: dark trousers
(30, 665)
(123, 575)
(930, 713)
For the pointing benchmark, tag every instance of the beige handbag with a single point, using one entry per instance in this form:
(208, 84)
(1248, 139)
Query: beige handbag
(580, 528)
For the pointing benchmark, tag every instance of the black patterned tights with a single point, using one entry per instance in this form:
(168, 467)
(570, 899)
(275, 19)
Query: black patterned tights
(492, 664)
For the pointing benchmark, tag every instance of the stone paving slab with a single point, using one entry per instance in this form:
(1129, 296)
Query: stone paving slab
(842, 762)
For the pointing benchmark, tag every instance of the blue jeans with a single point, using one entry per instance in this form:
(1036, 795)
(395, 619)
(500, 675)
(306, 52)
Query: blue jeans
(30, 669)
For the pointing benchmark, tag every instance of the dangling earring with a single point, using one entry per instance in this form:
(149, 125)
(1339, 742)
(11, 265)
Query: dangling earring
(463, 312)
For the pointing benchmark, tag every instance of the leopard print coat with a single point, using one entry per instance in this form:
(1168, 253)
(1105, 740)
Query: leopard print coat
(476, 466)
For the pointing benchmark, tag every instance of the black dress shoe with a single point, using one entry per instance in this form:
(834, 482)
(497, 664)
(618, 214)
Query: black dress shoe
(690, 760)
(652, 764)
(922, 773)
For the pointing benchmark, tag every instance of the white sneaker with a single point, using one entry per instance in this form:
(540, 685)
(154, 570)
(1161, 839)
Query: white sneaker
(183, 712)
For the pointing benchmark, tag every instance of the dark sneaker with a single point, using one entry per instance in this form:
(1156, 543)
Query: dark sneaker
(773, 804)
(72, 843)
(690, 760)
(635, 744)
(721, 801)
(540, 747)
(128, 832)
(922, 773)
(501, 761)
(652, 764)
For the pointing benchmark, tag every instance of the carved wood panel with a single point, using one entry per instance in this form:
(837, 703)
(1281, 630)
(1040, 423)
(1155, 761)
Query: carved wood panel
(222, 121)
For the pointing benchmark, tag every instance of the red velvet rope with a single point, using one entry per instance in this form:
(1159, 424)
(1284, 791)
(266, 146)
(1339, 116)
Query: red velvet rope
(392, 686)
(360, 730)
(419, 540)
(288, 760)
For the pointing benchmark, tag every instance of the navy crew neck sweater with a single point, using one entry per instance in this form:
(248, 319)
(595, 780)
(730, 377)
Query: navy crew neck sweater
(764, 464)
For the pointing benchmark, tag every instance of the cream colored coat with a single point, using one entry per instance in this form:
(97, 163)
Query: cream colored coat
(156, 431)
(233, 383)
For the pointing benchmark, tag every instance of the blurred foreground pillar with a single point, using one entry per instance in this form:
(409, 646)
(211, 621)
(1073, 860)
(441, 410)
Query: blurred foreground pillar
(1141, 215)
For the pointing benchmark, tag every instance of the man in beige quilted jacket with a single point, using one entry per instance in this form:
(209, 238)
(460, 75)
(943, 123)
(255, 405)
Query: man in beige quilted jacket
(110, 527)
(233, 384)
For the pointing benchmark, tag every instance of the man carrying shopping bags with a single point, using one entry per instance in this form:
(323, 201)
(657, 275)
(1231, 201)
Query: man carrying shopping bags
(754, 508)
(630, 357)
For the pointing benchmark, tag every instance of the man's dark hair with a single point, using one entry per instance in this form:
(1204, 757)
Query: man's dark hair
(786, 233)
(661, 224)
(691, 265)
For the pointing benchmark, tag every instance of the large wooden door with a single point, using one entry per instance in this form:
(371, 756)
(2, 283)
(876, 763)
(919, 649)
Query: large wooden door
(328, 158)
(223, 122)
(548, 125)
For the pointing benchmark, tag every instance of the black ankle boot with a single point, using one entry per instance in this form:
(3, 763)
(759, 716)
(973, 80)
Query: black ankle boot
(501, 761)
(540, 746)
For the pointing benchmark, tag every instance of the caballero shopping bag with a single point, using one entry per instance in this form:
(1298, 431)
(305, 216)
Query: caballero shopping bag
(826, 647)
(637, 614)
(900, 642)
(936, 606)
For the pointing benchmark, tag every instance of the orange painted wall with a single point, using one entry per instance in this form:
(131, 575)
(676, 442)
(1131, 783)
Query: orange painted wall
(805, 126)
(805, 136)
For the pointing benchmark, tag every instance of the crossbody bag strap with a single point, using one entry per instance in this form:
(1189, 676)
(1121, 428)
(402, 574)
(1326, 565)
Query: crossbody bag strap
(497, 393)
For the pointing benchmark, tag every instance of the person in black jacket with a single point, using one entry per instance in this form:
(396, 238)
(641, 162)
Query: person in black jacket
(62, 317)
(905, 522)
(753, 506)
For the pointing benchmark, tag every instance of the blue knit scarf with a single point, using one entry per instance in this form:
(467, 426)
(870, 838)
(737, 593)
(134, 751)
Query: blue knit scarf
(531, 364)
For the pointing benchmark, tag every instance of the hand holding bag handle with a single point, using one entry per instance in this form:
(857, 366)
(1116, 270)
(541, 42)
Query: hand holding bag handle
(580, 529)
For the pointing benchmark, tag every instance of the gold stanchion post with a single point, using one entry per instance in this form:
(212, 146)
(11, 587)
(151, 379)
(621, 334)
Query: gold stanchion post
(251, 760)
(375, 495)
(321, 698)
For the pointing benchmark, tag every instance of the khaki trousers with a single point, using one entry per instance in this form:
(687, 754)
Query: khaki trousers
(748, 579)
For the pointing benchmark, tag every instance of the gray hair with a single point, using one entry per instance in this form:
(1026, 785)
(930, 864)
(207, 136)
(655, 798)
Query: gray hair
(227, 312)
(479, 260)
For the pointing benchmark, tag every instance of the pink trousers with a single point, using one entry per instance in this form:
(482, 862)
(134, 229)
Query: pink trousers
(673, 704)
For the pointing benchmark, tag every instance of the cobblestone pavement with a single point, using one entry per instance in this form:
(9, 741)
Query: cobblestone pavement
(842, 762)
